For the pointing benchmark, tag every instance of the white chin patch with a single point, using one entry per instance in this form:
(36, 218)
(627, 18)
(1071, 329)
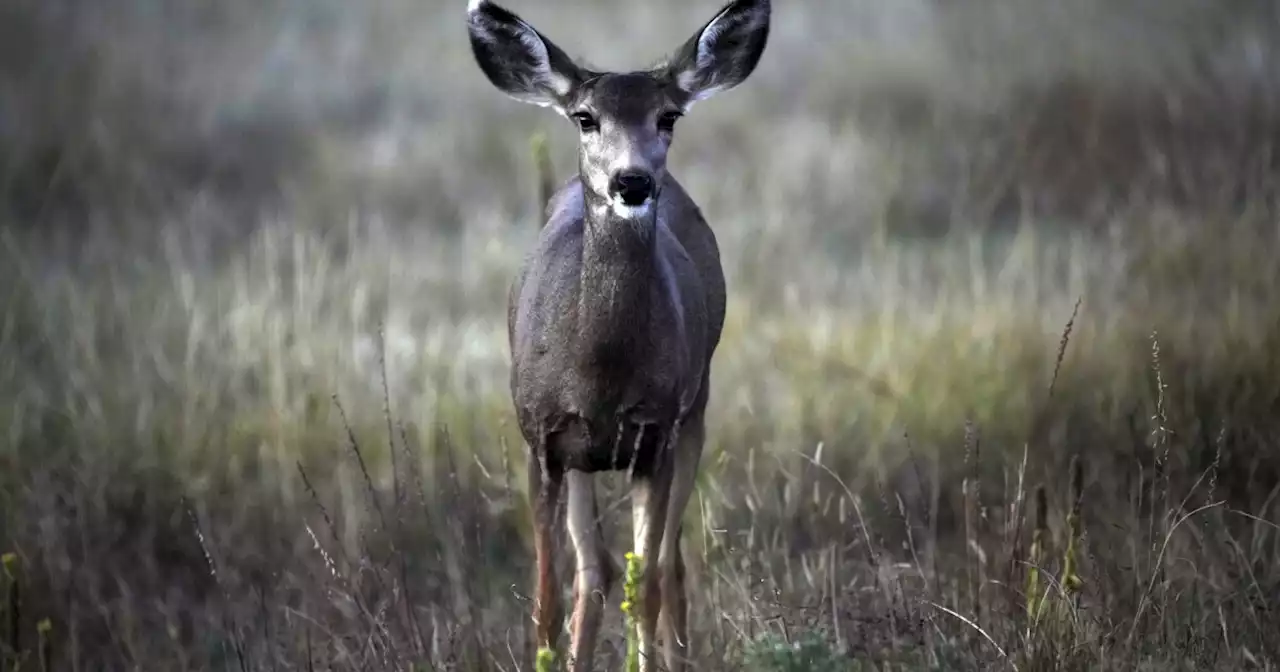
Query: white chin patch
(625, 211)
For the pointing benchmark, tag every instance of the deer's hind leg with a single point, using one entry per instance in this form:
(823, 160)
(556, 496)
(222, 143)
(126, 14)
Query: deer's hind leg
(674, 622)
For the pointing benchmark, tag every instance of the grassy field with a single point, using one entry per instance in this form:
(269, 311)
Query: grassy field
(999, 386)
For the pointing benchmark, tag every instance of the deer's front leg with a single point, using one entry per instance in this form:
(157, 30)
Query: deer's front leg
(650, 492)
(594, 570)
(544, 495)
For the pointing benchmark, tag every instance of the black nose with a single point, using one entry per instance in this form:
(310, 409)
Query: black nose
(632, 186)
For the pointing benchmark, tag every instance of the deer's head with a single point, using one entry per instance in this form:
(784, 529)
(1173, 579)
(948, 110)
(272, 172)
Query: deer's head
(625, 121)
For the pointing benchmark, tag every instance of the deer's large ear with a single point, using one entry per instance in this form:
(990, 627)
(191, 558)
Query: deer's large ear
(518, 59)
(722, 54)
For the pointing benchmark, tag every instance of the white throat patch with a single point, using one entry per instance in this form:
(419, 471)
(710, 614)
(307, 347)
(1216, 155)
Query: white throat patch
(624, 211)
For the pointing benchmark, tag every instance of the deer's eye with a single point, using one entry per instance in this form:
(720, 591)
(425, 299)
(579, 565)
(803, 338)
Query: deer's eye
(585, 122)
(667, 122)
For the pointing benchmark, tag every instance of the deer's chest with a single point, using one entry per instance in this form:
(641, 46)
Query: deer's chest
(640, 377)
(600, 352)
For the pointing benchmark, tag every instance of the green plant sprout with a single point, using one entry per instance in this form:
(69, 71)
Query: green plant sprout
(630, 609)
(546, 661)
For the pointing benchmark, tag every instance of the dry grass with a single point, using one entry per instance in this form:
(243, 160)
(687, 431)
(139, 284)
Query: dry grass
(254, 360)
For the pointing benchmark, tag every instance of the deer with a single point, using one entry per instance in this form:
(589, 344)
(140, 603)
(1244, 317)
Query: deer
(615, 315)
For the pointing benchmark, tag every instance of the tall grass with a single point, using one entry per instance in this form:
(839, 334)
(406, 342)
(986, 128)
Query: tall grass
(997, 386)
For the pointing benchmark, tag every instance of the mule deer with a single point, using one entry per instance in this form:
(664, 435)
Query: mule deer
(615, 316)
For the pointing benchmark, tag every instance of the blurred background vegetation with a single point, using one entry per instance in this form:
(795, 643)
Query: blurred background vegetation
(215, 217)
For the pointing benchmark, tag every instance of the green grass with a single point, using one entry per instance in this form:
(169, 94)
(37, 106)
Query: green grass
(630, 607)
(265, 432)
(546, 660)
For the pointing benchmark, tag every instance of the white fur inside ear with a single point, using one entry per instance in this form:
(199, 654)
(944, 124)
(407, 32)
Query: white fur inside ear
(559, 84)
(707, 41)
(703, 61)
(696, 94)
(474, 5)
(694, 79)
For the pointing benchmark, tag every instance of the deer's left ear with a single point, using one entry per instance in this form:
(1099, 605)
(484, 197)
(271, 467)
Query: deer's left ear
(724, 53)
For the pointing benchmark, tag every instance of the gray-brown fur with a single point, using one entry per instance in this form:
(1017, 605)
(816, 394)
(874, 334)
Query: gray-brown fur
(616, 313)
(608, 324)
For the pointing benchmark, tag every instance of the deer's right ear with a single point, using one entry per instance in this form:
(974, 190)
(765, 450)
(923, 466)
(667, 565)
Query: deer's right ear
(518, 59)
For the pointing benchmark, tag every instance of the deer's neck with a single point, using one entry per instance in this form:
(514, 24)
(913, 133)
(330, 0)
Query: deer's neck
(617, 272)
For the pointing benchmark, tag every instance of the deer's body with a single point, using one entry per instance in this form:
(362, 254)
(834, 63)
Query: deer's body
(615, 316)
(612, 329)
